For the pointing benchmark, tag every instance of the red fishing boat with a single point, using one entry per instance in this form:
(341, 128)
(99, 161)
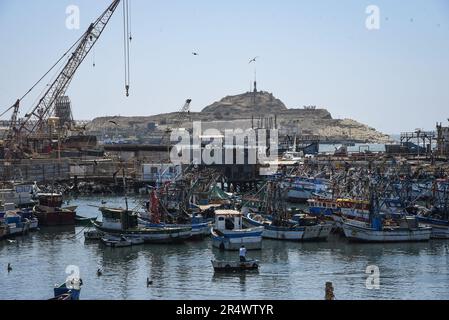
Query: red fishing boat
(50, 211)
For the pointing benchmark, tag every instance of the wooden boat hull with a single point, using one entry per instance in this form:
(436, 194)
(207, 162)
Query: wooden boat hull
(233, 241)
(55, 217)
(151, 235)
(235, 266)
(360, 233)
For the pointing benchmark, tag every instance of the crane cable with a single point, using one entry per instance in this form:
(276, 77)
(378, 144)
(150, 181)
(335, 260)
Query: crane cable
(127, 37)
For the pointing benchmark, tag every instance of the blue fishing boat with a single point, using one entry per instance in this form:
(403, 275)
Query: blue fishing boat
(15, 224)
(72, 289)
(323, 207)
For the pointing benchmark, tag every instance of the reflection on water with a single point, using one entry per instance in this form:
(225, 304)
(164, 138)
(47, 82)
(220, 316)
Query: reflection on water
(287, 271)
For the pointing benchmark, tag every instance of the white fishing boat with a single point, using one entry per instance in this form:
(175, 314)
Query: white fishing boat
(405, 230)
(300, 228)
(228, 232)
(350, 209)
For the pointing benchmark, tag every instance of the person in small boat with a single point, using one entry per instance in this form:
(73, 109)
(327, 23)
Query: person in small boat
(243, 254)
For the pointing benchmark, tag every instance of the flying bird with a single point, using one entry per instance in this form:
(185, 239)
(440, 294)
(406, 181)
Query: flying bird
(195, 53)
(253, 60)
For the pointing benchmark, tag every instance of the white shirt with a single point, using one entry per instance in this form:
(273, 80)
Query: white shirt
(242, 252)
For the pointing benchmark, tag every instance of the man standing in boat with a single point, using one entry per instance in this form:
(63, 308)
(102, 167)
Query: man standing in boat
(243, 254)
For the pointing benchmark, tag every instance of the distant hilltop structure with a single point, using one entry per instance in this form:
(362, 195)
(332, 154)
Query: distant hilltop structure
(255, 107)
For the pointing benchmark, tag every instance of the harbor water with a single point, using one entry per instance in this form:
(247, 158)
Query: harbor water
(288, 270)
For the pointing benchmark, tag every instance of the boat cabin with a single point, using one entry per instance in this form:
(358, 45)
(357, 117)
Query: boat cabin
(228, 220)
(119, 219)
(52, 200)
(353, 204)
(323, 203)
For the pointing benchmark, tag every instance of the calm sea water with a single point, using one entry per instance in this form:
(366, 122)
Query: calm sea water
(288, 270)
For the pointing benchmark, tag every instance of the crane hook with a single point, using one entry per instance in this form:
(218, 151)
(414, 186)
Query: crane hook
(127, 90)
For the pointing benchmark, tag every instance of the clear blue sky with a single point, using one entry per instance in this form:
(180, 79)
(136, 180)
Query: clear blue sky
(311, 53)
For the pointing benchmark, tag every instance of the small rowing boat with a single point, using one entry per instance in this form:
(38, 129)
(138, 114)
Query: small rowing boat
(235, 266)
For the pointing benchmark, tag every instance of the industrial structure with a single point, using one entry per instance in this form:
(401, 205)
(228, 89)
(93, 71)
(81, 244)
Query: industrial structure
(50, 121)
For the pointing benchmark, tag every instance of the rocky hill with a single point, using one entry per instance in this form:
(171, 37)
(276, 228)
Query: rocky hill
(255, 105)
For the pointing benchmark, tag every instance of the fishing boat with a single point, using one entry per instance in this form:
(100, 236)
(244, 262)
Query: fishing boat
(83, 221)
(93, 235)
(437, 218)
(228, 232)
(235, 266)
(62, 297)
(20, 195)
(27, 214)
(406, 230)
(322, 207)
(302, 189)
(299, 228)
(50, 211)
(122, 222)
(279, 223)
(117, 242)
(73, 289)
(16, 225)
(153, 218)
(200, 230)
(351, 209)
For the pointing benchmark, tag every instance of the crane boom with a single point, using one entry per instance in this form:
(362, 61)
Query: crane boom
(46, 105)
